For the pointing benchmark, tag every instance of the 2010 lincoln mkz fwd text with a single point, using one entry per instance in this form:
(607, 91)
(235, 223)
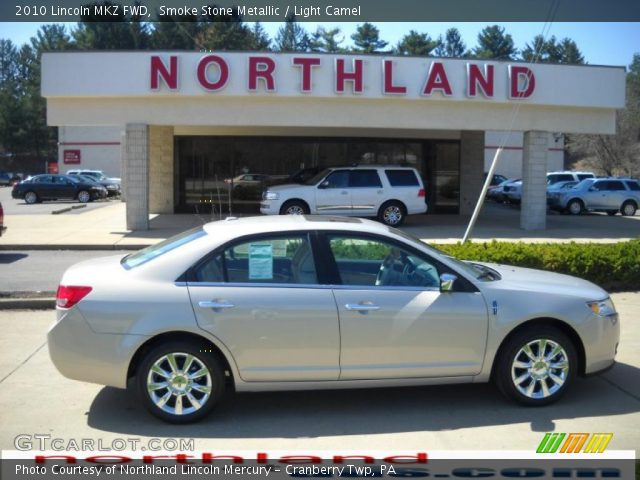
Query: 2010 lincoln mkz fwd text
(306, 302)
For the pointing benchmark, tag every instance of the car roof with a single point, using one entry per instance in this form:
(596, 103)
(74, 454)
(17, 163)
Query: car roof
(234, 227)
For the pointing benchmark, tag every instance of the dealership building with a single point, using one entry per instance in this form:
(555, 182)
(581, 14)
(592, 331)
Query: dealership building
(176, 125)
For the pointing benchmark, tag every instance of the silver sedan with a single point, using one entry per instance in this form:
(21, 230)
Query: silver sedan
(305, 302)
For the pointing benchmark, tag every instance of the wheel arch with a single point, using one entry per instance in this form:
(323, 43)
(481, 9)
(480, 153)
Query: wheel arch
(284, 204)
(164, 337)
(564, 327)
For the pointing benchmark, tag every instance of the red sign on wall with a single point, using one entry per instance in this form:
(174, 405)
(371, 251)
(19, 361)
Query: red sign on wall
(71, 156)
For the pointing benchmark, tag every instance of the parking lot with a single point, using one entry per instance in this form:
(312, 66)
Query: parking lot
(14, 206)
(36, 399)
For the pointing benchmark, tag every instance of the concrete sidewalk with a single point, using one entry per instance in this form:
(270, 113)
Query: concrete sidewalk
(105, 228)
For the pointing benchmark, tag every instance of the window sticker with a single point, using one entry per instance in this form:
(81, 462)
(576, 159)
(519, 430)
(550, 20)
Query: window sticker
(260, 261)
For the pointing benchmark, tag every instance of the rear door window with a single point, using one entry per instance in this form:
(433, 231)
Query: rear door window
(402, 178)
(364, 178)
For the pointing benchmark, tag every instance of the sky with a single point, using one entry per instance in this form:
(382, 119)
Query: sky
(600, 43)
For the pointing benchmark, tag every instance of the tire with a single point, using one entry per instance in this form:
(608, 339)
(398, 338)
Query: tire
(628, 209)
(180, 391)
(611, 213)
(392, 214)
(31, 198)
(294, 207)
(538, 384)
(575, 207)
(84, 196)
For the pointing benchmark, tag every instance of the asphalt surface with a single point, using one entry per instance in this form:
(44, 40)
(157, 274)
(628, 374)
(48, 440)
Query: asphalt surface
(14, 206)
(41, 270)
(36, 399)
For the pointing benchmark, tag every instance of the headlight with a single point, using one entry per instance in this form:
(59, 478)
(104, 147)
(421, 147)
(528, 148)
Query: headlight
(602, 308)
(270, 195)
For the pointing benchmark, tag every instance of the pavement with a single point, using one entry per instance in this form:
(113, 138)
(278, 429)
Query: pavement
(36, 399)
(104, 228)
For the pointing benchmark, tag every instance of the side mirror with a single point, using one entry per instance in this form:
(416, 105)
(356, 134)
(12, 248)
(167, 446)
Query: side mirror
(324, 185)
(446, 282)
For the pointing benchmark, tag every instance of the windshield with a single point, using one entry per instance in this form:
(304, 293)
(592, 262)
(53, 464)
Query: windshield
(476, 271)
(586, 183)
(316, 178)
(154, 251)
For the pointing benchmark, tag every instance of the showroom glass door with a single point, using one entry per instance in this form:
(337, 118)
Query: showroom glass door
(442, 168)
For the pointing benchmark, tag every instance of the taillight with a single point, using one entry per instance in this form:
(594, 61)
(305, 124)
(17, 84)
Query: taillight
(422, 193)
(69, 295)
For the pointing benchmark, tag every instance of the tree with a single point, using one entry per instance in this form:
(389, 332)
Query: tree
(179, 33)
(325, 40)
(111, 32)
(225, 32)
(552, 51)
(569, 52)
(451, 46)
(415, 43)
(292, 37)
(617, 154)
(259, 38)
(367, 39)
(494, 44)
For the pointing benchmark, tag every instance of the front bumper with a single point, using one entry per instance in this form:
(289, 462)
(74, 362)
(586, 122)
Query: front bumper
(270, 207)
(601, 337)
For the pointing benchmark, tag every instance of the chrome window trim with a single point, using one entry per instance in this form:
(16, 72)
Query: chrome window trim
(308, 285)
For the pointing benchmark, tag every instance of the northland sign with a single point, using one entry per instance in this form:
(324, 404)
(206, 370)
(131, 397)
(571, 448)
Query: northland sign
(348, 75)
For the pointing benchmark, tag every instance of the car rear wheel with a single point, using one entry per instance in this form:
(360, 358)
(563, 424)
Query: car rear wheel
(575, 207)
(31, 198)
(180, 383)
(84, 196)
(294, 208)
(536, 366)
(392, 214)
(629, 209)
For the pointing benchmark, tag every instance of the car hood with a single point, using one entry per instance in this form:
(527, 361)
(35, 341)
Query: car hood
(528, 279)
(289, 187)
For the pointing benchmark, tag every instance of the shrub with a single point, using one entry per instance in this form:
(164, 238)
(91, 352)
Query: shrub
(613, 266)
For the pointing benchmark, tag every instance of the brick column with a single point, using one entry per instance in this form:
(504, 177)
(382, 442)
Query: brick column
(160, 169)
(136, 160)
(471, 169)
(533, 211)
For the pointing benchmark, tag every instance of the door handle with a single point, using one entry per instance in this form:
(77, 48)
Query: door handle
(344, 192)
(361, 307)
(215, 305)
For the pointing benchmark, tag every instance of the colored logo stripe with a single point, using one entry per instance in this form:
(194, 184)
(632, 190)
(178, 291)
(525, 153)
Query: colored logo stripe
(574, 442)
(550, 443)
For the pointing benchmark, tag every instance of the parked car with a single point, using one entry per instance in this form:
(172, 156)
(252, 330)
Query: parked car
(2, 227)
(389, 193)
(496, 179)
(312, 302)
(5, 178)
(557, 190)
(609, 195)
(513, 192)
(113, 185)
(55, 187)
(496, 193)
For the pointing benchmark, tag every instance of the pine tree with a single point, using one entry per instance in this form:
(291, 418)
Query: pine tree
(259, 38)
(367, 39)
(325, 40)
(569, 52)
(494, 44)
(292, 37)
(451, 46)
(415, 43)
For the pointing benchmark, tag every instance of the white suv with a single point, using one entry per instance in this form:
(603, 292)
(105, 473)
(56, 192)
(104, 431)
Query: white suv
(513, 191)
(389, 193)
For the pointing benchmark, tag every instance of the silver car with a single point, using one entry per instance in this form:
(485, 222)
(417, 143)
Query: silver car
(308, 302)
(610, 195)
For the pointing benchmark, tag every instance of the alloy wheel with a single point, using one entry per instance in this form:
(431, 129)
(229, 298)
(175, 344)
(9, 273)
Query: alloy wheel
(392, 215)
(629, 210)
(31, 198)
(540, 368)
(84, 196)
(295, 210)
(179, 383)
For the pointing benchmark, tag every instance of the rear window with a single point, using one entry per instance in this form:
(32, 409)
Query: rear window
(154, 251)
(402, 178)
(633, 186)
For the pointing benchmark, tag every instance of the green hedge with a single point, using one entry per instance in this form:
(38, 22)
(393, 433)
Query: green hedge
(613, 266)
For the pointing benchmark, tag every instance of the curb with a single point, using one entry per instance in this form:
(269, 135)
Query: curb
(43, 303)
(108, 246)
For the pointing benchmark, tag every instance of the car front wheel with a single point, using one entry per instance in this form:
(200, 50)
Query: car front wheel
(31, 198)
(180, 383)
(628, 209)
(84, 196)
(294, 208)
(575, 207)
(536, 366)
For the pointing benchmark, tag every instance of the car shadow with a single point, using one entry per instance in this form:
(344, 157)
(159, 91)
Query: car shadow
(309, 414)
(6, 258)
